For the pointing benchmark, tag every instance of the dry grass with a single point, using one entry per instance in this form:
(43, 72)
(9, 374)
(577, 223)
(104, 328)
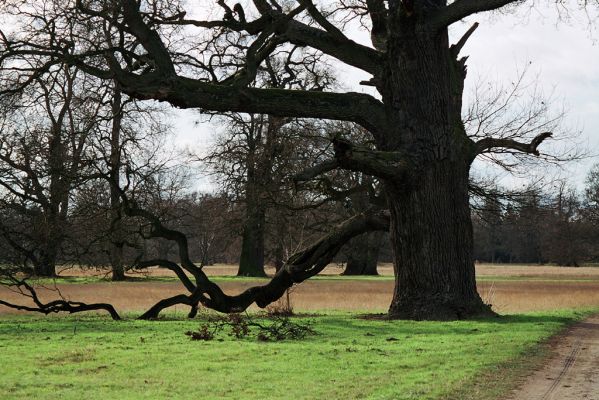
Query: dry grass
(514, 288)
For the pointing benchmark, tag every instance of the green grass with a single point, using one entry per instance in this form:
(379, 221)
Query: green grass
(94, 358)
(84, 280)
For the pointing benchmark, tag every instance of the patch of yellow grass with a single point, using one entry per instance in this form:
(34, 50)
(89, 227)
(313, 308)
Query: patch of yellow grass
(513, 288)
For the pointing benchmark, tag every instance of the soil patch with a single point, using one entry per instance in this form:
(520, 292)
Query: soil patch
(571, 372)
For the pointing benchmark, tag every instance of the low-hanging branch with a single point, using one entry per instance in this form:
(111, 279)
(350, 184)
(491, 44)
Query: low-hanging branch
(54, 306)
(299, 267)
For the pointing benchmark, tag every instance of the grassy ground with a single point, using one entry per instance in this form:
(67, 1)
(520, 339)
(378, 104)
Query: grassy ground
(92, 357)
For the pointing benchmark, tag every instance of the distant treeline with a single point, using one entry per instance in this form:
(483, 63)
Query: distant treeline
(557, 225)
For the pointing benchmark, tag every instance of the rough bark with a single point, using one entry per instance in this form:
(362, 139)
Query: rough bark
(434, 269)
(431, 230)
(251, 261)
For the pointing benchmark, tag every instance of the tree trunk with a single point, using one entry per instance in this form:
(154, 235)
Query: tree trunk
(357, 257)
(46, 266)
(116, 262)
(374, 249)
(117, 242)
(54, 211)
(251, 262)
(363, 255)
(434, 268)
(431, 229)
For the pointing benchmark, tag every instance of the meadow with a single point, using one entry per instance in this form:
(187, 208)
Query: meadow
(349, 356)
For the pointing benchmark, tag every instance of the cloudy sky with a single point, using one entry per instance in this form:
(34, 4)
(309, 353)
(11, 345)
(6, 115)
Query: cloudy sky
(562, 50)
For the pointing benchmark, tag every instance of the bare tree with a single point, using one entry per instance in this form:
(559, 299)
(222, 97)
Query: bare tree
(563, 230)
(422, 153)
(255, 155)
(44, 156)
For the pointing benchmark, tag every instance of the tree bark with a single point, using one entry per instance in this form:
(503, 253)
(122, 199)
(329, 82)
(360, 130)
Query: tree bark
(364, 254)
(251, 262)
(431, 229)
(434, 269)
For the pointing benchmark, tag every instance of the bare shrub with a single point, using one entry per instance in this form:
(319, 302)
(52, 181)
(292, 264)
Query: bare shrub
(240, 326)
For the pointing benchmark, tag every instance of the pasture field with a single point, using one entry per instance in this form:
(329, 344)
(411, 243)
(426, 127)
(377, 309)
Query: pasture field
(90, 356)
(348, 358)
(509, 288)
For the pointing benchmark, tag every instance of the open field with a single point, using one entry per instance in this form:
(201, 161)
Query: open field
(349, 358)
(508, 288)
(69, 357)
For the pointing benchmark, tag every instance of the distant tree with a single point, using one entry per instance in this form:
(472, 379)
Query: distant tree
(44, 156)
(563, 240)
(249, 162)
(488, 228)
(363, 251)
(590, 212)
(591, 194)
(255, 155)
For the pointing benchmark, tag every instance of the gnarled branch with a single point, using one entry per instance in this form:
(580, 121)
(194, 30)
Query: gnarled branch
(488, 144)
(382, 164)
(54, 306)
(351, 157)
(190, 93)
(461, 9)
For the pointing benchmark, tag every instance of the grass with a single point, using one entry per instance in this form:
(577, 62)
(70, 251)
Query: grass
(92, 357)
(83, 280)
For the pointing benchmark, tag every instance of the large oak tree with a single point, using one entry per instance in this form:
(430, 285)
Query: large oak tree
(422, 156)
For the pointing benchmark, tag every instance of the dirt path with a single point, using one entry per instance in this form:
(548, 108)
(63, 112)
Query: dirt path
(573, 372)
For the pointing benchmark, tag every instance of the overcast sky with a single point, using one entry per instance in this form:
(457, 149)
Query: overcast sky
(564, 54)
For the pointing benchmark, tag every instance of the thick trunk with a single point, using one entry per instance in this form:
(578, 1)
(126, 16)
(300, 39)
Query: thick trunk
(431, 233)
(116, 262)
(358, 256)
(46, 267)
(431, 230)
(363, 255)
(251, 262)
